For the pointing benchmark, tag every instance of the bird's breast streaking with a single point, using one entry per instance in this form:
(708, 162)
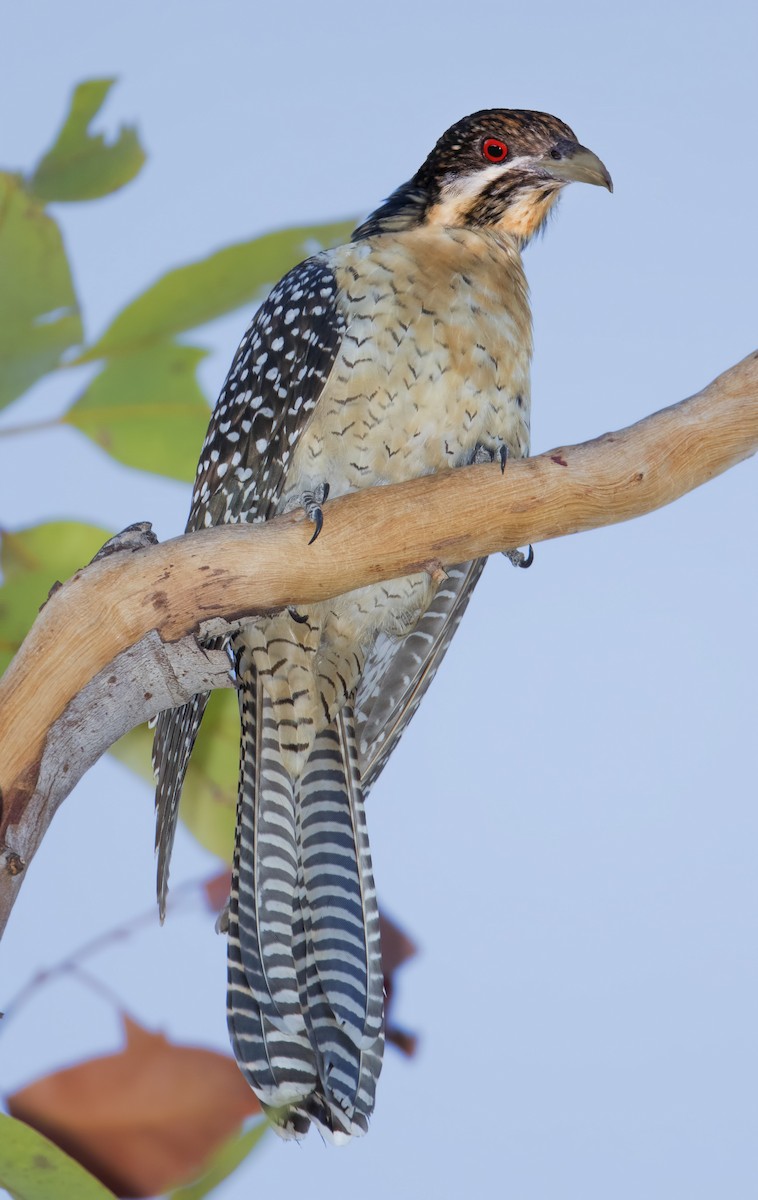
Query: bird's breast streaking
(433, 363)
(434, 359)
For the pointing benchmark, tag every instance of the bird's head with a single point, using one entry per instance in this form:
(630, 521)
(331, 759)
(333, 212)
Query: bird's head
(502, 168)
(505, 168)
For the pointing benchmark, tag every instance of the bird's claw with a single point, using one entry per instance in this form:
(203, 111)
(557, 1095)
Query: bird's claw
(519, 559)
(436, 572)
(222, 920)
(483, 454)
(318, 517)
(312, 502)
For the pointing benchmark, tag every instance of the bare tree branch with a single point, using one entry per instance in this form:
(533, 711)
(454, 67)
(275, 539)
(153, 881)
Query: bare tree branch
(117, 643)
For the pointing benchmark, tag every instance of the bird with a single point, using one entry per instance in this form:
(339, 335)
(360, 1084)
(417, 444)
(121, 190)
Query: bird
(403, 352)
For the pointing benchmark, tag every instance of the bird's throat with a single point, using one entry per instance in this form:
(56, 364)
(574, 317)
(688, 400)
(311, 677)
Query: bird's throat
(526, 213)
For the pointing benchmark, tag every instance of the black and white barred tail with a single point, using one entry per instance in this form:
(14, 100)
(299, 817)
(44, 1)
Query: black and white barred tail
(305, 998)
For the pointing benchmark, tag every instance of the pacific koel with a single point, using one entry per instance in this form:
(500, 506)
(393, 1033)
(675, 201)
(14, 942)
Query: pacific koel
(405, 352)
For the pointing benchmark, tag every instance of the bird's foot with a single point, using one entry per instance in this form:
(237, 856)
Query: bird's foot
(519, 559)
(311, 502)
(483, 454)
(436, 572)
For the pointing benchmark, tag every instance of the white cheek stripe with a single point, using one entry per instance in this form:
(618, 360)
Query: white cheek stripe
(458, 190)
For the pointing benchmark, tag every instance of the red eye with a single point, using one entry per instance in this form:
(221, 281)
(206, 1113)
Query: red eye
(494, 150)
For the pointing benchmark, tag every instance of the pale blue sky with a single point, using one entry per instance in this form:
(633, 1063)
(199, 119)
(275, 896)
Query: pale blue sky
(569, 829)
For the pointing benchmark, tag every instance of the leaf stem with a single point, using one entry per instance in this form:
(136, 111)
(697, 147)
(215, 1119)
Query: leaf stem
(30, 427)
(72, 963)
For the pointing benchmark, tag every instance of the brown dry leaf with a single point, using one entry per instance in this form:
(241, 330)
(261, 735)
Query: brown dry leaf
(145, 1119)
(397, 948)
(216, 890)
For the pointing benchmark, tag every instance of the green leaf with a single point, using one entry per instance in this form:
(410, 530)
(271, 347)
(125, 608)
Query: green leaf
(147, 410)
(209, 796)
(39, 313)
(223, 1163)
(80, 166)
(189, 296)
(33, 1168)
(209, 799)
(32, 560)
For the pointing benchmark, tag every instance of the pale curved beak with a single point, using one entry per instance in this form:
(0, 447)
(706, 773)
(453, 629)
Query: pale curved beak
(576, 164)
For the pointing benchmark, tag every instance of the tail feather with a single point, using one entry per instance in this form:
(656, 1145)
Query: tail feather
(342, 975)
(305, 995)
(266, 1027)
(267, 858)
(347, 1075)
(280, 1067)
(339, 897)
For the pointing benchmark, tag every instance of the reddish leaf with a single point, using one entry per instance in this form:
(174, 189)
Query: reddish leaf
(406, 1043)
(216, 890)
(397, 948)
(145, 1119)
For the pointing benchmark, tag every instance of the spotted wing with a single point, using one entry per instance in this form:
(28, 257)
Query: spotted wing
(273, 385)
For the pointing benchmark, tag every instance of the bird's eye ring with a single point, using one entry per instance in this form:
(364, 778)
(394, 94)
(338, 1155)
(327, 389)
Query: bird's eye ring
(494, 150)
